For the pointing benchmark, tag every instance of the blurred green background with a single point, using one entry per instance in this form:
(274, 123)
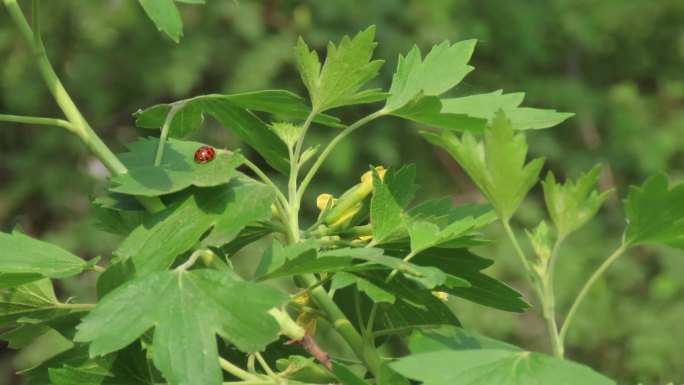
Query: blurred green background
(618, 64)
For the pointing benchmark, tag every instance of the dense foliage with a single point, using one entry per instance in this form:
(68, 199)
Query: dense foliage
(175, 172)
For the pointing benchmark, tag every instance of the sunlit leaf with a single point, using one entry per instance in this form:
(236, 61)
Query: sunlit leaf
(573, 204)
(346, 69)
(497, 166)
(485, 106)
(441, 70)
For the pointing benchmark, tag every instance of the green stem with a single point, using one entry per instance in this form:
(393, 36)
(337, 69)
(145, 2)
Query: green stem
(543, 290)
(193, 258)
(321, 158)
(281, 197)
(237, 371)
(37, 120)
(264, 365)
(75, 306)
(54, 85)
(165, 131)
(516, 246)
(549, 304)
(374, 308)
(343, 326)
(587, 286)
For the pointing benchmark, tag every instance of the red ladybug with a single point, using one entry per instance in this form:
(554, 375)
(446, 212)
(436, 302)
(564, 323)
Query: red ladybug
(204, 154)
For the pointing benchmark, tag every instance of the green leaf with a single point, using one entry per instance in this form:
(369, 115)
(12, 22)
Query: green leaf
(483, 289)
(283, 104)
(187, 310)
(165, 16)
(571, 205)
(23, 335)
(375, 293)
(448, 337)
(428, 110)
(443, 68)
(414, 305)
(304, 369)
(485, 106)
(115, 220)
(127, 367)
(15, 279)
(341, 280)
(346, 376)
(655, 213)
(219, 212)
(302, 258)
(23, 257)
(542, 241)
(390, 195)
(425, 234)
(497, 166)
(35, 300)
(176, 171)
(287, 132)
(490, 366)
(295, 259)
(235, 113)
(118, 273)
(347, 68)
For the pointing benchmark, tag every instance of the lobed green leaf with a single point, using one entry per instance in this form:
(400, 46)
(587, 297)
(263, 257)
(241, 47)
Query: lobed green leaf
(655, 213)
(441, 70)
(187, 310)
(347, 68)
(571, 205)
(497, 166)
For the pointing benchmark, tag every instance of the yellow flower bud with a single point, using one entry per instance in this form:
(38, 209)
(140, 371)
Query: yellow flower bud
(367, 177)
(274, 211)
(323, 199)
(442, 296)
